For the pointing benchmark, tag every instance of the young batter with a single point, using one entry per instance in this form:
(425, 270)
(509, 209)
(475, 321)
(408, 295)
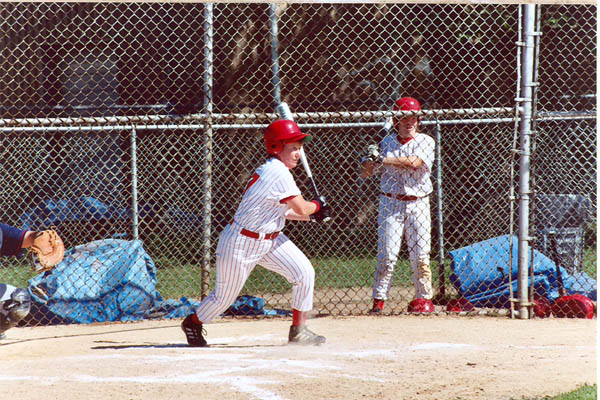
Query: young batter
(405, 165)
(254, 237)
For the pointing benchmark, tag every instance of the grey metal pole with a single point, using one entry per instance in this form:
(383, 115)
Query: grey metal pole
(275, 52)
(525, 154)
(207, 145)
(438, 176)
(134, 189)
(514, 148)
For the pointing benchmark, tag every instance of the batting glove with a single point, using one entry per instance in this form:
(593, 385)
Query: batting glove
(373, 154)
(323, 213)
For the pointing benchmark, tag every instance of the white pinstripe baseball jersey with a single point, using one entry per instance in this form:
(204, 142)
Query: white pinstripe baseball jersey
(413, 182)
(261, 209)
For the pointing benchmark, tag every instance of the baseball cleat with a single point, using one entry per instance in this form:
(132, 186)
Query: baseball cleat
(377, 307)
(193, 332)
(421, 305)
(301, 335)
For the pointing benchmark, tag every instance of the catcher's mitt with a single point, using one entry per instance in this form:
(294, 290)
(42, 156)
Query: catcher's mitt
(46, 251)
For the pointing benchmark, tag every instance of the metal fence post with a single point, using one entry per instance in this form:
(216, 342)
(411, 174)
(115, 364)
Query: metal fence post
(134, 190)
(438, 176)
(274, 52)
(524, 161)
(207, 144)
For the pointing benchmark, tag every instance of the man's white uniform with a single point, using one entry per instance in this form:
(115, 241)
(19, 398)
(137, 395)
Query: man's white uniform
(404, 209)
(254, 238)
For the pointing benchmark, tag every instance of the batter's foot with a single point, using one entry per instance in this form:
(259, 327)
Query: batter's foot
(301, 335)
(377, 307)
(193, 332)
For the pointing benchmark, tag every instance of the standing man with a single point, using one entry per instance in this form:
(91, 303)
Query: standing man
(404, 160)
(49, 250)
(254, 237)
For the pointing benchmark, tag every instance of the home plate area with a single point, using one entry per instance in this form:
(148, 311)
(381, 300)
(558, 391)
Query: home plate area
(403, 357)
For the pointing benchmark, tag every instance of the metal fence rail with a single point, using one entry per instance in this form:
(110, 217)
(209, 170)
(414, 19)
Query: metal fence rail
(144, 121)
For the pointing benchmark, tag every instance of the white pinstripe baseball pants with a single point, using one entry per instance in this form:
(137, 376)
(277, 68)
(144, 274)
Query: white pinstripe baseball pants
(413, 220)
(237, 255)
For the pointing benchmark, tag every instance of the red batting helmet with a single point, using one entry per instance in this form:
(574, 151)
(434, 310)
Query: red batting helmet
(421, 305)
(280, 132)
(407, 104)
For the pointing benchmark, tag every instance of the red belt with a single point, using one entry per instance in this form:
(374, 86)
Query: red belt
(254, 235)
(402, 197)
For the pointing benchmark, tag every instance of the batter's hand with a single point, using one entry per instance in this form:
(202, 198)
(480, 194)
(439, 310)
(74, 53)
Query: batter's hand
(372, 155)
(320, 201)
(323, 213)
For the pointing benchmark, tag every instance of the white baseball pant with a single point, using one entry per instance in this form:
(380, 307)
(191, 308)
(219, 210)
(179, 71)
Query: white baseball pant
(237, 255)
(413, 220)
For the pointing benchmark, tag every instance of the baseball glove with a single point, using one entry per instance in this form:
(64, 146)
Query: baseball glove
(372, 154)
(46, 251)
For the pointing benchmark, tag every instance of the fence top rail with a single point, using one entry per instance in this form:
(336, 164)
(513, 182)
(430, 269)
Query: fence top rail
(555, 116)
(194, 118)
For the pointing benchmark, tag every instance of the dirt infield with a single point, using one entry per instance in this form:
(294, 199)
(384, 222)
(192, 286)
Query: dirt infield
(402, 357)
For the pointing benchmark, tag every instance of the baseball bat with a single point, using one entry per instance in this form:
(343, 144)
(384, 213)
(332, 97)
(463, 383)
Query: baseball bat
(561, 287)
(284, 112)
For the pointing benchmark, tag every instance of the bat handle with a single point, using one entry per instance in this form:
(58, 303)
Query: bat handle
(315, 190)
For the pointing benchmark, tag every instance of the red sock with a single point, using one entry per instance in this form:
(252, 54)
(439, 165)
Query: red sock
(195, 319)
(378, 304)
(298, 317)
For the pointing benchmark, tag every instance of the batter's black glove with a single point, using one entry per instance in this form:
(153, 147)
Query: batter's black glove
(324, 213)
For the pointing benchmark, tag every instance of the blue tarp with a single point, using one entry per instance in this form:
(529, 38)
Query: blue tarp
(104, 280)
(55, 212)
(480, 273)
(250, 305)
(88, 209)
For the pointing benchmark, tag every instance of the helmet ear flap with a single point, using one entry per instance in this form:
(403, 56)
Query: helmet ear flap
(276, 147)
(273, 146)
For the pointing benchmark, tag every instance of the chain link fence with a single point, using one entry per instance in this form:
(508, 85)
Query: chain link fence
(144, 121)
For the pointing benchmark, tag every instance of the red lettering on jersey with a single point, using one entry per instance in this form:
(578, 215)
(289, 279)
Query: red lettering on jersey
(252, 181)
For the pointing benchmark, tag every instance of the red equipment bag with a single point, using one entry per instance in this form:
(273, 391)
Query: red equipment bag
(573, 306)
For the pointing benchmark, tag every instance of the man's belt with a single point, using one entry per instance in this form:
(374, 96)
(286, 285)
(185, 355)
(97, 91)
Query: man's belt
(255, 235)
(402, 197)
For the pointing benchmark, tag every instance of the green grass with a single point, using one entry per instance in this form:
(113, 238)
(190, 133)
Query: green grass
(17, 274)
(331, 272)
(587, 392)
(176, 280)
(590, 262)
